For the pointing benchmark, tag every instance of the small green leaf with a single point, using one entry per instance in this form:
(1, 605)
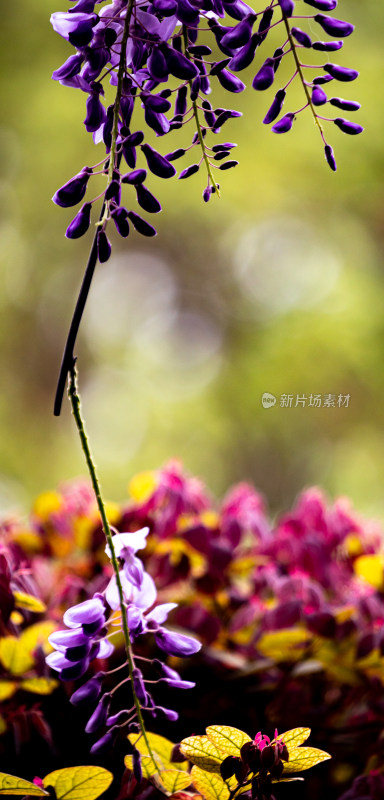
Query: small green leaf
(294, 738)
(9, 784)
(212, 787)
(174, 780)
(202, 752)
(79, 783)
(227, 739)
(304, 758)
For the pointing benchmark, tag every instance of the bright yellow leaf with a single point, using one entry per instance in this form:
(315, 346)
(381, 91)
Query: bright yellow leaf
(79, 783)
(293, 738)
(284, 645)
(174, 780)
(7, 689)
(37, 635)
(14, 656)
(29, 602)
(303, 758)
(202, 752)
(142, 485)
(228, 740)
(39, 685)
(161, 749)
(10, 784)
(212, 787)
(371, 569)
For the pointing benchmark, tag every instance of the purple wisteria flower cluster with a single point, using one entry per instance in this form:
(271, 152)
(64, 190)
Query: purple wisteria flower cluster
(150, 53)
(92, 623)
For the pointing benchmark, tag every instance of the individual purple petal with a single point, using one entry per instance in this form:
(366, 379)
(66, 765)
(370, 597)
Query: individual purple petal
(345, 105)
(334, 27)
(135, 540)
(120, 218)
(147, 200)
(188, 171)
(139, 686)
(172, 677)
(169, 713)
(322, 5)
(265, 76)
(287, 7)
(74, 190)
(86, 6)
(71, 67)
(156, 102)
(284, 124)
(165, 7)
(157, 65)
(157, 163)
(74, 637)
(230, 82)
(244, 57)
(348, 127)
(89, 692)
(80, 222)
(237, 9)
(99, 715)
(133, 568)
(77, 28)
(141, 225)
(105, 649)
(318, 96)
(135, 177)
(328, 47)
(176, 644)
(341, 73)
(301, 37)
(179, 65)
(160, 613)
(157, 121)
(113, 191)
(135, 621)
(95, 113)
(104, 248)
(134, 139)
(68, 671)
(275, 108)
(89, 611)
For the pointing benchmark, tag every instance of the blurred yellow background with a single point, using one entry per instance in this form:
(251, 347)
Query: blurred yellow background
(276, 287)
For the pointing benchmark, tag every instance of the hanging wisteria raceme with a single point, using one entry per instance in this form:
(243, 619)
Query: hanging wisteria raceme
(86, 637)
(150, 54)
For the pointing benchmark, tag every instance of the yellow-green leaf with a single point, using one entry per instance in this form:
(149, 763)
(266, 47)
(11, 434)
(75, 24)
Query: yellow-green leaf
(303, 758)
(202, 752)
(14, 656)
(79, 783)
(7, 689)
(29, 602)
(37, 636)
(211, 786)
(284, 645)
(227, 739)
(39, 685)
(10, 784)
(294, 738)
(174, 780)
(161, 749)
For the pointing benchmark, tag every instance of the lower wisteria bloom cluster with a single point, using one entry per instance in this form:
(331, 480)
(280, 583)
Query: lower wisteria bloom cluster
(90, 625)
(162, 57)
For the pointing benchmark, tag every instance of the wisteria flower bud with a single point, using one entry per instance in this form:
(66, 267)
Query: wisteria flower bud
(80, 222)
(318, 96)
(265, 76)
(141, 225)
(245, 55)
(265, 23)
(157, 65)
(301, 37)
(175, 154)
(345, 105)
(334, 27)
(104, 248)
(106, 741)
(139, 686)
(95, 113)
(287, 7)
(71, 67)
(284, 124)
(322, 5)
(328, 47)
(179, 65)
(74, 190)
(230, 82)
(89, 692)
(239, 34)
(113, 191)
(275, 108)
(176, 644)
(229, 766)
(97, 720)
(168, 713)
(119, 216)
(157, 164)
(188, 171)
(348, 127)
(136, 763)
(147, 200)
(156, 102)
(181, 101)
(228, 165)
(135, 177)
(341, 73)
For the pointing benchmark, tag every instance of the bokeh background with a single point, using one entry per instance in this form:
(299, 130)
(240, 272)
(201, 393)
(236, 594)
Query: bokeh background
(276, 287)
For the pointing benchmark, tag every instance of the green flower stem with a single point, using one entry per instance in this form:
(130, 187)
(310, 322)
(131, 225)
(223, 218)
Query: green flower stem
(198, 126)
(300, 72)
(76, 410)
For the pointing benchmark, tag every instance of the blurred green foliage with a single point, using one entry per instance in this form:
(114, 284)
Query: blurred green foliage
(277, 287)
